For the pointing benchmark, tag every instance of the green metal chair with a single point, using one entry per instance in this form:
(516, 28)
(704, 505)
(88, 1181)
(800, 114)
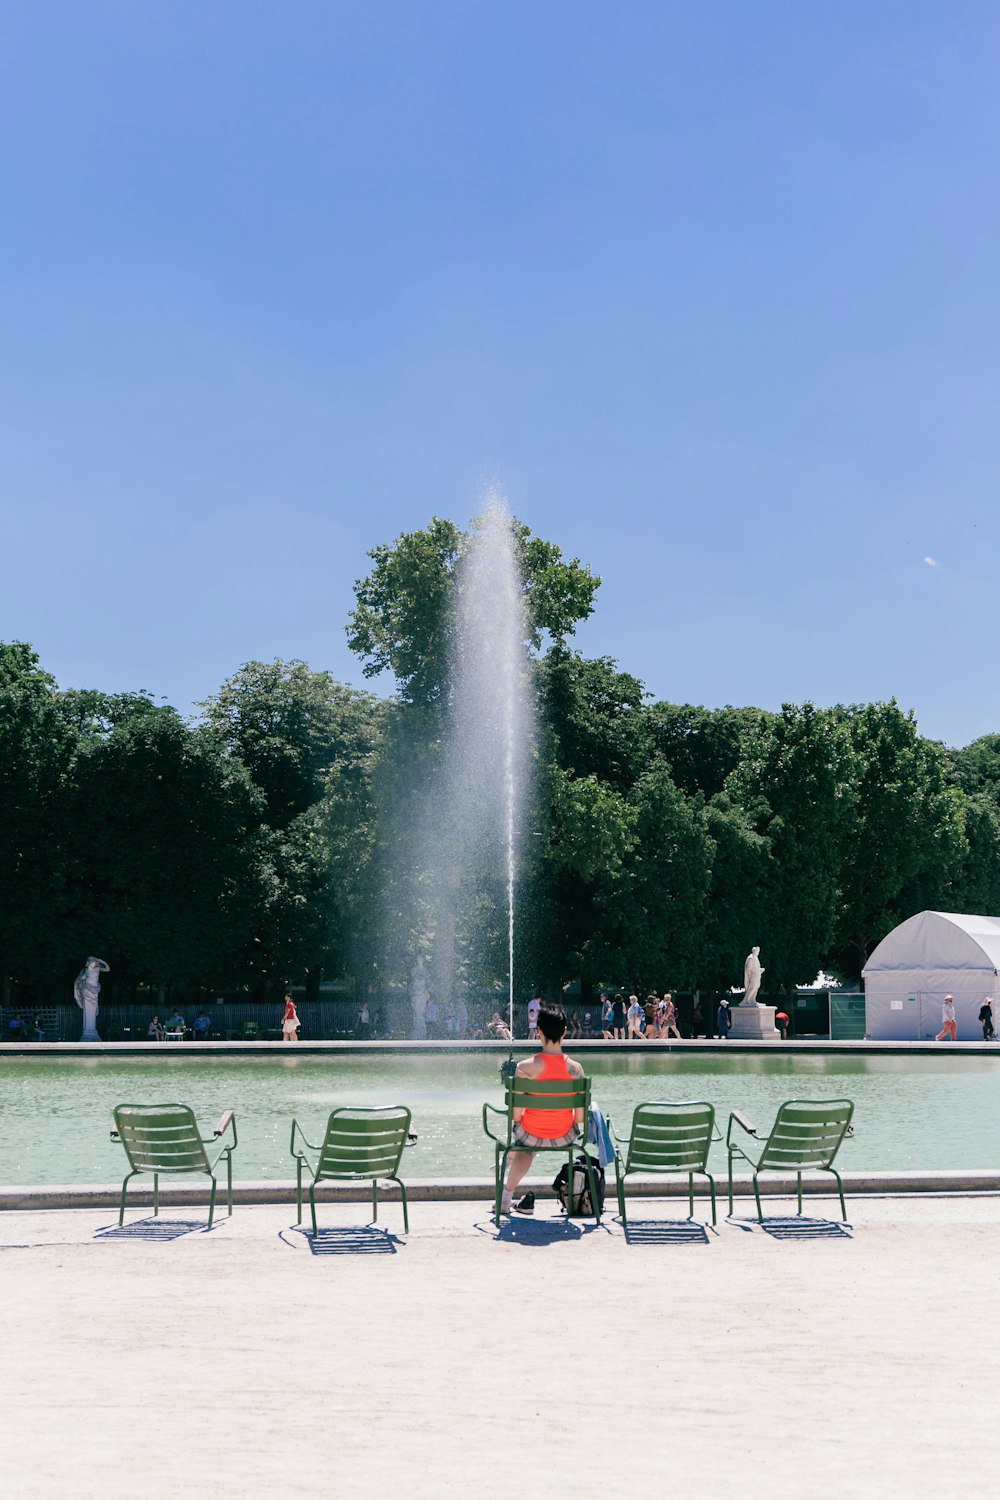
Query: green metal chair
(164, 1139)
(361, 1144)
(541, 1093)
(668, 1137)
(805, 1137)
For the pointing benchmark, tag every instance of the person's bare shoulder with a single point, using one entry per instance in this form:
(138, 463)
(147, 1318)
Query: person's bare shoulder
(529, 1068)
(575, 1068)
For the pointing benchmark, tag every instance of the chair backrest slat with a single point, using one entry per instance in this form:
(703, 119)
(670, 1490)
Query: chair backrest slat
(364, 1142)
(807, 1133)
(670, 1137)
(161, 1138)
(547, 1093)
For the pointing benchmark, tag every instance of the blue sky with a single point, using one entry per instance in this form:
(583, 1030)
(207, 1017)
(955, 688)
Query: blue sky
(711, 289)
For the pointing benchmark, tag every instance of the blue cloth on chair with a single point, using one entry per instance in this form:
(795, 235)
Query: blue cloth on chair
(599, 1135)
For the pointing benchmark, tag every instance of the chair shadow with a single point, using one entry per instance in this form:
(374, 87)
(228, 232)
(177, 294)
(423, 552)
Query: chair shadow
(797, 1227)
(365, 1239)
(665, 1232)
(154, 1229)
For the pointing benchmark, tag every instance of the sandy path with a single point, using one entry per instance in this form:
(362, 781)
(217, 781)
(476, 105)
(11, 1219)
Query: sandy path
(243, 1364)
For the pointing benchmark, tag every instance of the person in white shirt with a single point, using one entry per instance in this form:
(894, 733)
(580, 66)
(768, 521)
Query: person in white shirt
(636, 1016)
(534, 1006)
(949, 1027)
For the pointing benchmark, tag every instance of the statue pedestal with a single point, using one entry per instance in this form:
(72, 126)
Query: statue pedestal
(89, 1022)
(753, 1023)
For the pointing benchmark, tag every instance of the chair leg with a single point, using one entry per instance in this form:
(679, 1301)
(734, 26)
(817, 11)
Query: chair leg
(156, 1194)
(840, 1190)
(620, 1188)
(312, 1204)
(374, 1201)
(406, 1217)
(500, 1171)
(798, 1184)
(121, 1210)
(211, 1203)
(298, 1188)
(229, 1184)
(711, 1188)
(595, 1202)
(730, 1184)
(690, 1195)
(756, 1193)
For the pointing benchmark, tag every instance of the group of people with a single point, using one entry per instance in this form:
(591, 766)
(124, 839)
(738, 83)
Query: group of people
(637, 1020)
(176, 1025)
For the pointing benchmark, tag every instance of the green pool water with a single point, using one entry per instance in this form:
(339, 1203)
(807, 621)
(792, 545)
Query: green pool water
(55, 1114)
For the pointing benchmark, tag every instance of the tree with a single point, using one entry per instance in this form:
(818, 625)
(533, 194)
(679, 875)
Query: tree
(904, 821)
(659, 907)
(595, 718)
(794, 784)
(702, 746)
(164, 866)
(291, 727)
(402, 618)
(36, 747)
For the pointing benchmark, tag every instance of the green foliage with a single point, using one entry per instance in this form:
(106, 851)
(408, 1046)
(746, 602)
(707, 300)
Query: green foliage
(795, 785)
(161, 860)
(905, 823)
(703, 746)
(291, 727)
(402, 617)
(35, 757)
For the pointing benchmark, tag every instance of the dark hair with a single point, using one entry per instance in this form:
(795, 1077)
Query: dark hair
(552, 1023)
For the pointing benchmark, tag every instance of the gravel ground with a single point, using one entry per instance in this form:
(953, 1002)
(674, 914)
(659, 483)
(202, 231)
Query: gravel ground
(798, 1358)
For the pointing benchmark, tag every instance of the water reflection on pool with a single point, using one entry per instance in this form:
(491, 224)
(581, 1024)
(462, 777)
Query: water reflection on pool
(55, 1113)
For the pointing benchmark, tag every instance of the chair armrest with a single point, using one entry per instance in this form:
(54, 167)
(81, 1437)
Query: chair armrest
(735, 1118)
(297, 1129)
(494, 1109)
(227, 1118)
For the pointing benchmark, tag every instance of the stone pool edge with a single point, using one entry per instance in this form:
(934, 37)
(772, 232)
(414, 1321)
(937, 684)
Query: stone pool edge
(480, 1189)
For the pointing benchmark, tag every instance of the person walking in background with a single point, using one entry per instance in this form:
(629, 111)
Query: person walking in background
(722, 1021)
(782, 1021)
(618, 1018)
(635, 1018)
(534, 1006)
(363, 1025)
(290, 1021)
(668, 1018)
(606, 1018)
(986, 1018)
(652, 1018)
(949, 1026)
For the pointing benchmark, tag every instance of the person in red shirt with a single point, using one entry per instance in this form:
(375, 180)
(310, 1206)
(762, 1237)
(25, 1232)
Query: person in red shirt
(541, 1127)
(782, 1022)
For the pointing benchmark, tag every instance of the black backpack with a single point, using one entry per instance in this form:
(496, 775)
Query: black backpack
(581, 1187)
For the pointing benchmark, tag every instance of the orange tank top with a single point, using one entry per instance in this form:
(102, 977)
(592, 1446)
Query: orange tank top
(549, 1124)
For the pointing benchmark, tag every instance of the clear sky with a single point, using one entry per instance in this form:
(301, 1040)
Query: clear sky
(710, 288)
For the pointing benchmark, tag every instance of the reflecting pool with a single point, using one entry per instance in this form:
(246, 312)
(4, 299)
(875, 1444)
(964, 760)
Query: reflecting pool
(922, 1111)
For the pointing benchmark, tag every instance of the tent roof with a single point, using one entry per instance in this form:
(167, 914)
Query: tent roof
(939, 940)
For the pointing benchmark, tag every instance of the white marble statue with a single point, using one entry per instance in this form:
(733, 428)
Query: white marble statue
(752, 972)
(420, 993)
(86, 993)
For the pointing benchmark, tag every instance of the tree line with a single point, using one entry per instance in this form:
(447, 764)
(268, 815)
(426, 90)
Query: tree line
(272, 839)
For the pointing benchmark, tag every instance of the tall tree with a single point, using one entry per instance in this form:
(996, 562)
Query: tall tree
(904, 821)
(36, 747)
(794, 784)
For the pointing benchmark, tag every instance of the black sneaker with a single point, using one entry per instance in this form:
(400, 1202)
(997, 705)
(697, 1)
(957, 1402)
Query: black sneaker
(525, 1204)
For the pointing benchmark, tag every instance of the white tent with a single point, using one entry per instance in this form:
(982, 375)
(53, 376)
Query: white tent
(933, 954)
